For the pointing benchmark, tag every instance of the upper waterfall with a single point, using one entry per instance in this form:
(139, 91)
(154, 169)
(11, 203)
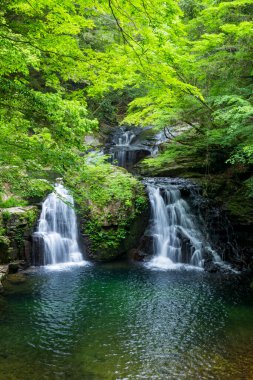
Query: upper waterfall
(57, 229)
(125, 138)
(126, 147)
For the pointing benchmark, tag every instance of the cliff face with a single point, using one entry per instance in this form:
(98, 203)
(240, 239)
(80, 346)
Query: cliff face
(16, 227)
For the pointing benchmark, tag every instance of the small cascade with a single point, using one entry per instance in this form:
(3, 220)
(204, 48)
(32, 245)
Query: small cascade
(126, 149)
(176, 235)
(122, 152)
(125, 138)
(56, 237)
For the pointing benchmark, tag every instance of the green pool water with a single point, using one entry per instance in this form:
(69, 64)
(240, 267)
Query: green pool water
(120, 321)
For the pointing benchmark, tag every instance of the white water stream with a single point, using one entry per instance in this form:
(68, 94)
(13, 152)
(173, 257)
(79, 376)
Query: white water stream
(125, 139)
(176, 236)
(58, 229)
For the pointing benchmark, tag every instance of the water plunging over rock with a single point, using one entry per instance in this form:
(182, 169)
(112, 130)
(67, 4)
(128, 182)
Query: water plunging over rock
(56, 238)
(174, 230)
(126, 147)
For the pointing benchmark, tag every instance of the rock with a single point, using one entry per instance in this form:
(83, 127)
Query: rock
(18, 224)
(3, 273)
(16, 278)
(113, 211)
(13, 267)
(137, 255)
(131, 234)
(211, 267)
(16, 266)
(38, 249)
(92, 141)
(3, 269)
(144, 250)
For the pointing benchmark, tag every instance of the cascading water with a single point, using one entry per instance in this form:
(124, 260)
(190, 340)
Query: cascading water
(57, 229)
(126, 149)
(125, 138)
(176, 236)
(123, 153)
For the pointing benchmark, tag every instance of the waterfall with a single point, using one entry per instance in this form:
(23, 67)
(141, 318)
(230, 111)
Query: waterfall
(123, 152)
(175, 233)
(126, 148)
(57, 229)
(125, 138)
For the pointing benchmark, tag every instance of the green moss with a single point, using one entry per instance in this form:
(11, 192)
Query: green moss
(15, 226)
(12, 202)
(109, 200)
(243, 210)
(29, 217)
(19, 236)
(4, 241)
(175, 160)
(6, 216)
(20, 188)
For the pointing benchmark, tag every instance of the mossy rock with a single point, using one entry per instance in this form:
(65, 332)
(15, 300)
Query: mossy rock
(110, 242)
(17, 278)
(112, 205)
(17, 225)
(180, 167)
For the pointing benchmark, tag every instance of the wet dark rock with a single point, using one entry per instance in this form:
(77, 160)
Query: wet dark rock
(3, 273)
(144, 250)
(186, 249)
(18, 224)
(211, 267)
(136, 255)
(38, 250)
(17, 266)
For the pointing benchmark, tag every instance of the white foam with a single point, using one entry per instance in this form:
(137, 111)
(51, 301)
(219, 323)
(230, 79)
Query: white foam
(164, 264)
(66, 266)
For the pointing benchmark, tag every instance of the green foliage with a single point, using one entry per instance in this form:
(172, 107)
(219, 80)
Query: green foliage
(12, 202)
(249, 187)
(42, 122)
(185, 66)
(109, 199)
(18, 187)
(216, 58)
(3, 238)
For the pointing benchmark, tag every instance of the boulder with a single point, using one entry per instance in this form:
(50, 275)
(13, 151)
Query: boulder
(113, 209)
(3, 273)
(17, 225)
(144, 250)
(16, 266)
(113, 239)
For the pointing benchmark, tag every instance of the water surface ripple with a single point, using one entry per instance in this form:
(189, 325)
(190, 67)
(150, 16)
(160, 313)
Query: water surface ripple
(118, 322)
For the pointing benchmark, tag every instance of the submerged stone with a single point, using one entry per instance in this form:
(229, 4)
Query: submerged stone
(17, 278)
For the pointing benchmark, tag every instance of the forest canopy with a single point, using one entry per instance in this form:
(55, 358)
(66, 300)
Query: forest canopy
(67, 68)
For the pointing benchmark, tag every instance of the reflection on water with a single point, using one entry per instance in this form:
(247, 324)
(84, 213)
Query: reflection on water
(120, 322)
